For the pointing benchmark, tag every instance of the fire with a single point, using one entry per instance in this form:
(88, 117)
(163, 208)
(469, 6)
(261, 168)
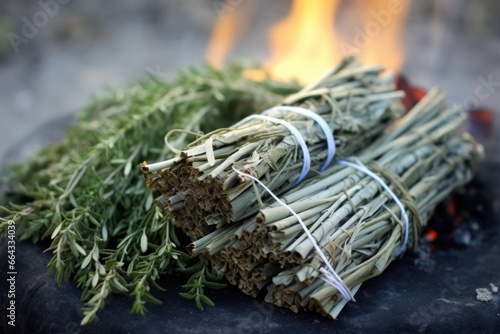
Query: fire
(224, 34)
(305, 44)
(304, 39)
(383, 27)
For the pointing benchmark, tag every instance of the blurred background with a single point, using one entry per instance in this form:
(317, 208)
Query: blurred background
(56, 54)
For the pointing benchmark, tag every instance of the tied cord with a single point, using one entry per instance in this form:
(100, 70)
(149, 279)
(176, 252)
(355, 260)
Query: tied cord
(306, 155)
(330, 276)
(362, 168)
(330, 141)
(305, 151)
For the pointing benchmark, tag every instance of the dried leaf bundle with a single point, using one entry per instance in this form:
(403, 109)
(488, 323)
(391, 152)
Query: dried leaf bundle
(202, 192)
(356, 223)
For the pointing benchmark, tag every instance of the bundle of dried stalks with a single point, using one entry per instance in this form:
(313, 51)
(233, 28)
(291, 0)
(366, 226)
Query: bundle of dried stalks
(355, 222)
(202, 192)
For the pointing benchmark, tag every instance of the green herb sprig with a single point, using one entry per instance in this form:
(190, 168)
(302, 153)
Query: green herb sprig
(85, 195)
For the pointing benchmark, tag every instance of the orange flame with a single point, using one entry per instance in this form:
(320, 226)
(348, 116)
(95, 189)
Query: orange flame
(305, 45)
(225, 33)
(302, 45)
(384, 22)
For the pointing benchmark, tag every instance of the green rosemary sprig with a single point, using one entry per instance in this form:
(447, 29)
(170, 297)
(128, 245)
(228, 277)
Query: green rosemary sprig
(85, 195)
(201, 278)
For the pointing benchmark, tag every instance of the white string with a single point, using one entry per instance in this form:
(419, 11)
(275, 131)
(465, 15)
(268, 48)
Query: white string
(330, 141)
(330, 276)
(362, 168)
(307, 158)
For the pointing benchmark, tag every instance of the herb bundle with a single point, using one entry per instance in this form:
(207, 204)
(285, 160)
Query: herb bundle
(201, 191)
(352, 218)
(84, 195)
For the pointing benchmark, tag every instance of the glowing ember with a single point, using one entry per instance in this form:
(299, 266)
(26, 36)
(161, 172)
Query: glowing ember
(459, 220)
(480, 123)
(431, 235)
(413, 94)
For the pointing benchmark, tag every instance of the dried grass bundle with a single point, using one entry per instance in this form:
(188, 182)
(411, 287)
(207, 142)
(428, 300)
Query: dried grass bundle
(351, 217)
(202, 192)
